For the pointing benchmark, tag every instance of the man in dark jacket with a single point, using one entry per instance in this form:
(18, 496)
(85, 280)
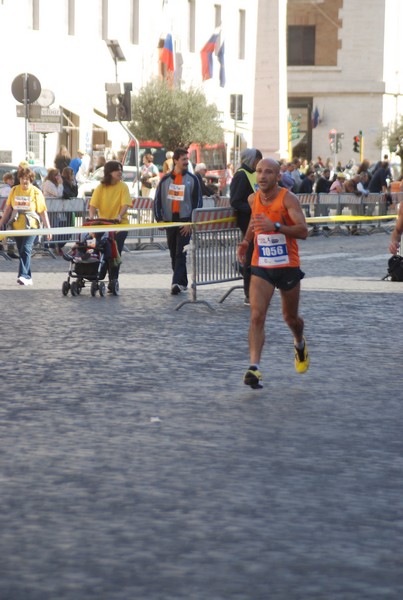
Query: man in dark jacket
(178, 194)
(323, 184)
(378, 183)
(243, 184)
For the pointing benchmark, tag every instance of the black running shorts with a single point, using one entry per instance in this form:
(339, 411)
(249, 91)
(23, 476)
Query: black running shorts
(283, 278)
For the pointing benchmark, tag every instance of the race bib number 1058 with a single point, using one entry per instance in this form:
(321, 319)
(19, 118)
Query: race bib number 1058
(272, 250)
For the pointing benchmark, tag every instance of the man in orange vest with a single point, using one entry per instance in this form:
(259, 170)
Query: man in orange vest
(178, 194)
(277, 221)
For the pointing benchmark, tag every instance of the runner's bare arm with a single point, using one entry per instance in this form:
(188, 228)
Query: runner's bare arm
(397, 232)
(299, 230)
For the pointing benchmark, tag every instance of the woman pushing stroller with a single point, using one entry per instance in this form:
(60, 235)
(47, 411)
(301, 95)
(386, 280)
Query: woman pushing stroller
(110, 200)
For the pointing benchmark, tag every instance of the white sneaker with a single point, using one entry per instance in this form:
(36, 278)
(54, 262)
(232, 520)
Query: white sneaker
(24, 281)
(183, 288)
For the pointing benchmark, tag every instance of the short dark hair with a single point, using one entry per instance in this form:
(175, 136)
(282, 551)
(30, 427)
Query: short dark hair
(178, 152)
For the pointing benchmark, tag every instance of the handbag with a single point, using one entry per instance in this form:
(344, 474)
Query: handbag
(395, 268)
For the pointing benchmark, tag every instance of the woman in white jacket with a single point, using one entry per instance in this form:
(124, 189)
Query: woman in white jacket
(53, 184)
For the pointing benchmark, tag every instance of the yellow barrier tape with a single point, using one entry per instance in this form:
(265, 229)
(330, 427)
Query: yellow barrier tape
(129, 227)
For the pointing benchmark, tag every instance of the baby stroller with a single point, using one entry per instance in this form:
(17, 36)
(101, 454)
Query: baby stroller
(89, 260)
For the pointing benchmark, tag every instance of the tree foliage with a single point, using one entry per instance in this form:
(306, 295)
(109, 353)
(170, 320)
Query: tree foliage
(394, 137)
(174, 117)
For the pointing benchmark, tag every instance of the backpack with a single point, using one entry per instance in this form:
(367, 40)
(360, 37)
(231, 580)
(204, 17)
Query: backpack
(395, 268)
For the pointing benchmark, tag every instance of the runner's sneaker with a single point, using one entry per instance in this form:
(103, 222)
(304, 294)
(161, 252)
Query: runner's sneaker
(253, 377)
(175, 289)
(301, 358)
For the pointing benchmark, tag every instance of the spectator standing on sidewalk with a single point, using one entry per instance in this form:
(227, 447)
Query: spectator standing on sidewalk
(149, 176)
(178, 194)
(242, 184)
(307, 183)
(62, 158)
(5, 189)
(286, 179)
(25, 209)
(200, 172)
(277, 222)
(378, 183)
(53, 184)
(75, 163)
(337, 186)
(70, 187)
(168, 163)
(323, 184)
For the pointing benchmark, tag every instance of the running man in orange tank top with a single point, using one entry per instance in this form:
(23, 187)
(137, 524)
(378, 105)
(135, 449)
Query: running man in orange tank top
(276, 224)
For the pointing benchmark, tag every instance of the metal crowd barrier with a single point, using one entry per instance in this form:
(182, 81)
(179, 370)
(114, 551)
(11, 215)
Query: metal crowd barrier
(70, 212)
(142, 212)
(213, 251)
(351, 205)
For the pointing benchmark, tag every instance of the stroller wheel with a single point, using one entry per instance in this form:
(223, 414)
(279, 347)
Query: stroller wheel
(80, 286)
(102, 289)
(74, 289)
(94, 287)
(65, 288)
(114, 285)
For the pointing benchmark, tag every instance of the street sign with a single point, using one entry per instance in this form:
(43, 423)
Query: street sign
(38, 127)
(41, 115)
(26, 88)
(33, 111)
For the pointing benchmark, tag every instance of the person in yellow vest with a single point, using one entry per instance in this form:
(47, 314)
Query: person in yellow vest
(25, 209)
(242, 185)
(277, 222)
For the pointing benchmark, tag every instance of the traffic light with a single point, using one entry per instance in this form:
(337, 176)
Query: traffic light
(356, 143)
(235, 109)
(294, 129)
(118, 102)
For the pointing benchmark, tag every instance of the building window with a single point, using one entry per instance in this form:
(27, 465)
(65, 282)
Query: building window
(33, 144)
(301, 45)
(71, 17)
(134, 22)
(192, 25)
(35, 14)
(242, 28)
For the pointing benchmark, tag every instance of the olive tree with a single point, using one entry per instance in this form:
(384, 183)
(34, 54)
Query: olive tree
(394, 137)
(174, 117)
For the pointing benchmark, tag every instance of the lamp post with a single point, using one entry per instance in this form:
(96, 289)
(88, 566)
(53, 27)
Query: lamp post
(116, 53)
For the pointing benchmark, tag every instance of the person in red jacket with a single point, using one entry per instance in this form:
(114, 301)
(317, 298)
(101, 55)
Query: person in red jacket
(277, 222)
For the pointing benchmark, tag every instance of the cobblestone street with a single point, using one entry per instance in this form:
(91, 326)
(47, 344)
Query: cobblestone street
(136, 465)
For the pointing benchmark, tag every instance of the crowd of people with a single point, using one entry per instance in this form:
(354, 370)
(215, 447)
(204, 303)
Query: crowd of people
(303, 177)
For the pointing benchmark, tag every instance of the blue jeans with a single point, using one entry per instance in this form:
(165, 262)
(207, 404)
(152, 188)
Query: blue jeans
(24, 245)
(176, 242)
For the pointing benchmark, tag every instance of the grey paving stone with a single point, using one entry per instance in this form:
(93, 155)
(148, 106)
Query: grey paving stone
(135, 463)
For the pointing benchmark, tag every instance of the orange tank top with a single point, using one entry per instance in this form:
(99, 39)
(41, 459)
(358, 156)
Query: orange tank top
(275, 249)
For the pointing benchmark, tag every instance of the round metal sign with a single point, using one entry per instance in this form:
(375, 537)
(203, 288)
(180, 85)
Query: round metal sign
(26, 88)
